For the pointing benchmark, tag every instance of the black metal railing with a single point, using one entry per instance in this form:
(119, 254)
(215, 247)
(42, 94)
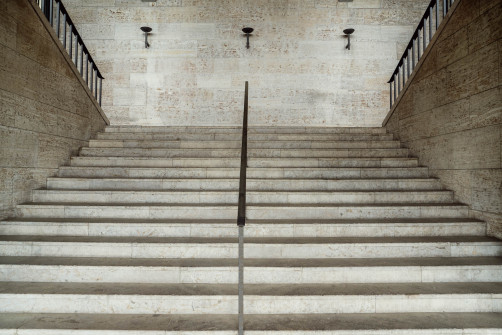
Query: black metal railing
(67, 33)
(427, 27)
(241, 211)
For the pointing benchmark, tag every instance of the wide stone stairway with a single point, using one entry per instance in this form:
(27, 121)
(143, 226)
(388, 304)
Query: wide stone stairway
(345, 234)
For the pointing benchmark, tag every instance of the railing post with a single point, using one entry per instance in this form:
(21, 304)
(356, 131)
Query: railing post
(241, 211)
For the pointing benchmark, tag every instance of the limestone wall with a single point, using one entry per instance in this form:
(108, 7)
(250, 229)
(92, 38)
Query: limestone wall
(298, 69)
(46, 113)
(451, 113)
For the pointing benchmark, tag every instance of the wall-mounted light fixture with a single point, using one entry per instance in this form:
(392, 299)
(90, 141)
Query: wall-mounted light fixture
(248, 32)
(347, 33)
(146, 30)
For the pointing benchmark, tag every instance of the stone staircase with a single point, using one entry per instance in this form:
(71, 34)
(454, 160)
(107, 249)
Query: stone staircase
(346, 234)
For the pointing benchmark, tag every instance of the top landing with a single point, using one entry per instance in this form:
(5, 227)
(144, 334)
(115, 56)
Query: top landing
(251, 129)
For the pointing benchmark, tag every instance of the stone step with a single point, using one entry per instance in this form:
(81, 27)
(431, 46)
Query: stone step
(263, 173)
(254, 211)
(235, 153)
(308, 248)
(227, 228)
(238, 137)
(257, 271)
(229, 197)
(251, 129)
(252, 184)
(362, 162)
(251, 144)
(104, 298)
(273, 324)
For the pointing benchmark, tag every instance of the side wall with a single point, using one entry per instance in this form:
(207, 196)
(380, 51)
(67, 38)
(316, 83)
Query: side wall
(46, 113)
(450, 116)
(298, 69)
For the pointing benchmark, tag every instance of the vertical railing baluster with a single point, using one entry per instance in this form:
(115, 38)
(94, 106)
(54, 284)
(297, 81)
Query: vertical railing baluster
(76, 50)
(395, 90)
(82, 58)
(51, 12)
(444, 8)
(64, 30)
(42, 6)
(437, 15)
(92, 79)
(399, 80)
(87, 69)
(100, 89)
(390, 94)
(70, 45)
(58, 19)
(408, 64)
(96, 84)
(413, 53)
(430, 24)
(424, 37)
(418, 45)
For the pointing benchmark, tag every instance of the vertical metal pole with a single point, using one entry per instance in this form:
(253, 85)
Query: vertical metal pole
(418, 45)
(76, 51)
(82, 59)
(445, 9)
(413, 53)
(241, 280)
(399, 80)
(92, 79)
(241, 211)
(58, 19)
(70, 51)
(408, 63)
(395, 94)
(100, 89)
(437, 15)
(51, 12)
(96, 83)
(64, 30)
(390, 94)
(87, 68)
(424, 32)
(430, 24)
(42, 6)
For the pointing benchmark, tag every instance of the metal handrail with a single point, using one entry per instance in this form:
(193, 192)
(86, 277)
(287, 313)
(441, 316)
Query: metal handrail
(241, 211)
(76, 47)
(405, 68)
